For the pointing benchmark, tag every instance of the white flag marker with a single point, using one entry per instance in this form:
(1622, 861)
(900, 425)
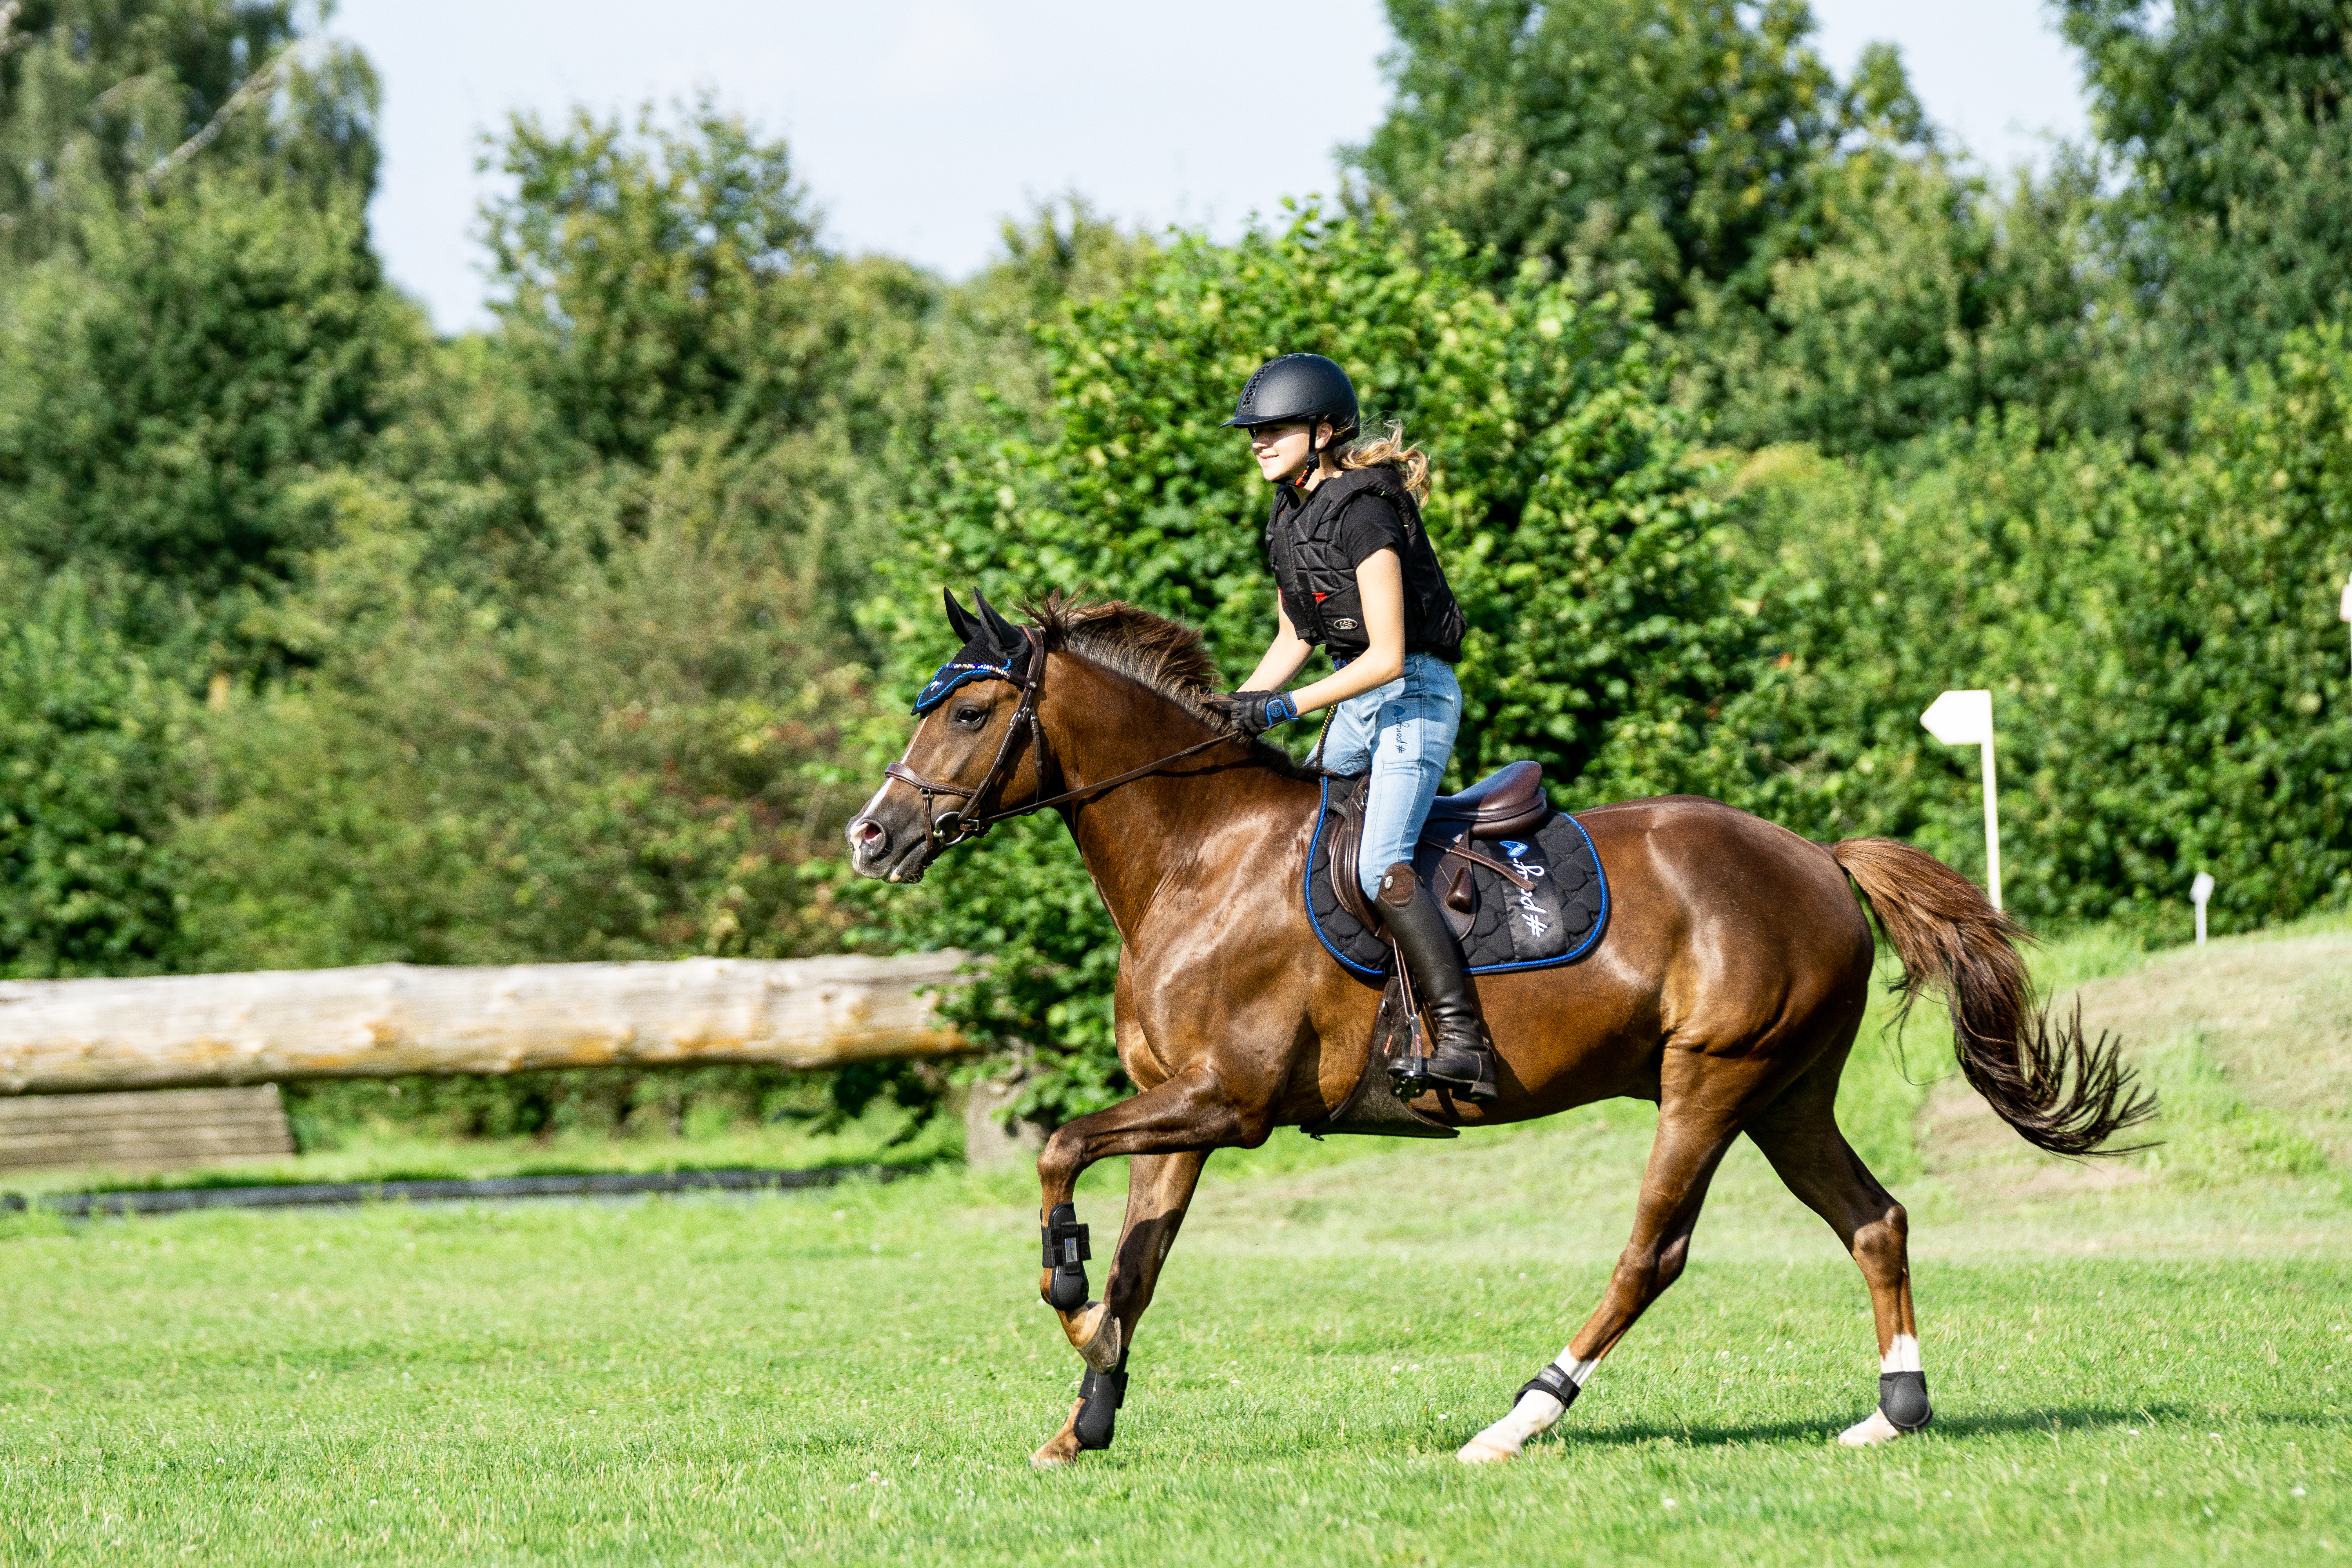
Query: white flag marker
(2201, 890)
(1965, 718)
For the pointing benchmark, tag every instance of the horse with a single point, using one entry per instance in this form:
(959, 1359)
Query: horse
(1727, 988)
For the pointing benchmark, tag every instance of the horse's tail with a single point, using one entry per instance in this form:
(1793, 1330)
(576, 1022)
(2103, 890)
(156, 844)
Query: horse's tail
(2060, 1092)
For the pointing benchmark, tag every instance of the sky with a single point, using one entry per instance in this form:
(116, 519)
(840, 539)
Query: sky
(918, 126)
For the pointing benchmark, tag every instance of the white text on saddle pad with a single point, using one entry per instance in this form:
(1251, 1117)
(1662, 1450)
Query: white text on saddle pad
(1529, 910)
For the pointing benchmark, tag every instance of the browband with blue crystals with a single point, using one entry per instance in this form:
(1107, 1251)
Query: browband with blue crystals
(950, 676)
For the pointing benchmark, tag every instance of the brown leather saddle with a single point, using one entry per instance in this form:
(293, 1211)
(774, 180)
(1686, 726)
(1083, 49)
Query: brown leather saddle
(1509, 801)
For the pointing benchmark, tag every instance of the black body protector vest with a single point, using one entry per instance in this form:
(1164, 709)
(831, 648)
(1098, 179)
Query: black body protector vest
(1318, 582)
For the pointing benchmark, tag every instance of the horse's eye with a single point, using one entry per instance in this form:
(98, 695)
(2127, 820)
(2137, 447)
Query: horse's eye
(968, 715)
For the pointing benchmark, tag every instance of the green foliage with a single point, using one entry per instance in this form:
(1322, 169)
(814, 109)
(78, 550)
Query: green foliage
(2230, 118)
(1929, 298)
(1575, 529)
(625, 765)
(666, 306)
(1834, 271)
(161, 389)
(104, 104)
(191, 321)
(2170, 676)
(1663, 146)
(657, 279)
(332, 1114)
(91, 749)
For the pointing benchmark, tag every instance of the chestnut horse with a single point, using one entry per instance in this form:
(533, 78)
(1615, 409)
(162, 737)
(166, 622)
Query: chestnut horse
(1727, 988)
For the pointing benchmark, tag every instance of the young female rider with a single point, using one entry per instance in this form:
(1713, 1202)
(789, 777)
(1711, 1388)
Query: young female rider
(1355, 573)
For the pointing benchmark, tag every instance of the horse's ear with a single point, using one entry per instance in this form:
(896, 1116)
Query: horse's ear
(962, 620)
(1007, 636)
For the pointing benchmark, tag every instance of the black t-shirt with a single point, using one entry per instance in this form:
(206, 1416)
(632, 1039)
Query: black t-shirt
(1369, 526)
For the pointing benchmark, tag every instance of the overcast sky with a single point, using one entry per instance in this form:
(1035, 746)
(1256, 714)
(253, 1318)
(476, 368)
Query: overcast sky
(918, 125)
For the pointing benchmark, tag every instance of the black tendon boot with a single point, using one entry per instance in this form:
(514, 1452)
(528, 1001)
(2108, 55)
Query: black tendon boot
(1461, 1056)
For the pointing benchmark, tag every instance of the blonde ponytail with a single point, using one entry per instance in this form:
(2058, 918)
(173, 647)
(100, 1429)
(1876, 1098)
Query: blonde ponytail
(1388, 450)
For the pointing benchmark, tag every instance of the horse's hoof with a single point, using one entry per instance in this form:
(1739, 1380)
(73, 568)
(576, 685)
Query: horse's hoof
(1096, 1333)
(1874, 1429)
(1057, 1451)
(1480, 1451)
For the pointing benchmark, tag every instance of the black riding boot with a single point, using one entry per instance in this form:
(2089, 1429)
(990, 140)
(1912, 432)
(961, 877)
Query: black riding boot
(1461, 1054)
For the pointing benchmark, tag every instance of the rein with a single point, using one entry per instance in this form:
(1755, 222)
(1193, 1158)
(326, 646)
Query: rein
(957, 824)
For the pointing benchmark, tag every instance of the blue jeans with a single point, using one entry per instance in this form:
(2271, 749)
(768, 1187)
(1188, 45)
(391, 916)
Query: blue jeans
(1404, 732)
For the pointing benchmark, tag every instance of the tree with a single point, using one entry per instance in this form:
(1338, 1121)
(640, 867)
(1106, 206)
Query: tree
(628, 762)
(667, 300)
(1931, 297)
(190, 313)
(2159, 638)
(161, 389)
(103, 103)
(1667, 147)
(91, 766)
(2231, 118)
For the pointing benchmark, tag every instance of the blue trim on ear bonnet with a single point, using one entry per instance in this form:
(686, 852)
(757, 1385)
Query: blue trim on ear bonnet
(955, 673)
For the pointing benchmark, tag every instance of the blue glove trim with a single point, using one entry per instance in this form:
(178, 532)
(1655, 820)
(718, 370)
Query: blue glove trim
(1280, 709)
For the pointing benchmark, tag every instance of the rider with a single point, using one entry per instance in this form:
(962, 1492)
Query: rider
(1356, 573)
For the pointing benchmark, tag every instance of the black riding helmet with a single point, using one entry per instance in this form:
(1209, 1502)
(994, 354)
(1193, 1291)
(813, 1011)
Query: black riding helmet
(1299, 386)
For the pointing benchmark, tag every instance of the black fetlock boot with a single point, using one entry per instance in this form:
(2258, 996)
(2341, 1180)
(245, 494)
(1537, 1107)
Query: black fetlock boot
(1461, 1054)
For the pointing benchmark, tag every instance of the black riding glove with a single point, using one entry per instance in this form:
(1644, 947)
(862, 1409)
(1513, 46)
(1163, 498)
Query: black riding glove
(1251, 712)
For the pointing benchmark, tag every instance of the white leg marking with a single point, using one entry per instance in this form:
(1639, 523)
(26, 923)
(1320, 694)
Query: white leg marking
(1535, 1412)
(1875, 1428)
(1903, 1355)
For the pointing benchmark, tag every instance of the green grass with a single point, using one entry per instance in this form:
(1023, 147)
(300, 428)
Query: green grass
(2149, 1371)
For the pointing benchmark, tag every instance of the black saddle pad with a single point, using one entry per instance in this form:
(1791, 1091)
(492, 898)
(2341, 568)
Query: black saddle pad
(1556, 919)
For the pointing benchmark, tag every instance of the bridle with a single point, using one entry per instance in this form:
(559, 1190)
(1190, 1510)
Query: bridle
(958, 823)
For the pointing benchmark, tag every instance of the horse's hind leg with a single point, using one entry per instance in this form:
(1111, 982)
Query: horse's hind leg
(1694, 1130)
(1159, 1190)
(1800, 1137)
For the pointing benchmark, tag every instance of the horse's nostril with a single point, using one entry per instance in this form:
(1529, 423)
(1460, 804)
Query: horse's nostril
(868, 831)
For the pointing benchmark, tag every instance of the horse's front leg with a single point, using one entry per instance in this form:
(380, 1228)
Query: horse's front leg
(1170, 1130)
(1159, 1189)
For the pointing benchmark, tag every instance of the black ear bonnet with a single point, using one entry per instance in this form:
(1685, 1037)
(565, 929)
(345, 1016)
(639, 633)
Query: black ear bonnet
(993, 649)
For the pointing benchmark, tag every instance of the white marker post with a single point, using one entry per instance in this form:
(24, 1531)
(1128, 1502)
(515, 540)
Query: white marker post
(1965, 718)
(2344, 610)
(2200, 891)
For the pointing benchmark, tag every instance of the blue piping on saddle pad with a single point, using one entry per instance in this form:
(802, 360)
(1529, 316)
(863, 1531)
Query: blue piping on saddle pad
(1307, 896)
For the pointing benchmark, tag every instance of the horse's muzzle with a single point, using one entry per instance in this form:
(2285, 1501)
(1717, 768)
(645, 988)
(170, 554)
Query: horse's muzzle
(891, 856)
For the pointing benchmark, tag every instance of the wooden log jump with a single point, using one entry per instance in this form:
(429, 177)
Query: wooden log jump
(204, 1030)
(147, 1130)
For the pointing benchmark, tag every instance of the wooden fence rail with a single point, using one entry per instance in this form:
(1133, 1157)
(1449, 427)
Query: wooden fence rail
(72, 1035)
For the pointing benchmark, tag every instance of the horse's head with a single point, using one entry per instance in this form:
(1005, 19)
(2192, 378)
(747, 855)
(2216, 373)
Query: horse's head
(966, 759)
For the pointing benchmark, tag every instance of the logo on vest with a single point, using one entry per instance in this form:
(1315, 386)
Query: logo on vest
(1345, 625)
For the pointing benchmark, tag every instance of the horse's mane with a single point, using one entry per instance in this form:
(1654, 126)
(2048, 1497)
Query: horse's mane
(1165, 655)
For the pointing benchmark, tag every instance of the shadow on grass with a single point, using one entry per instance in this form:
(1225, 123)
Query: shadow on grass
(2061, 1418)
(232, 1178)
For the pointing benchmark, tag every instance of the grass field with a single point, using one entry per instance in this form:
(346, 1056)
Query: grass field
(2142, 1364)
